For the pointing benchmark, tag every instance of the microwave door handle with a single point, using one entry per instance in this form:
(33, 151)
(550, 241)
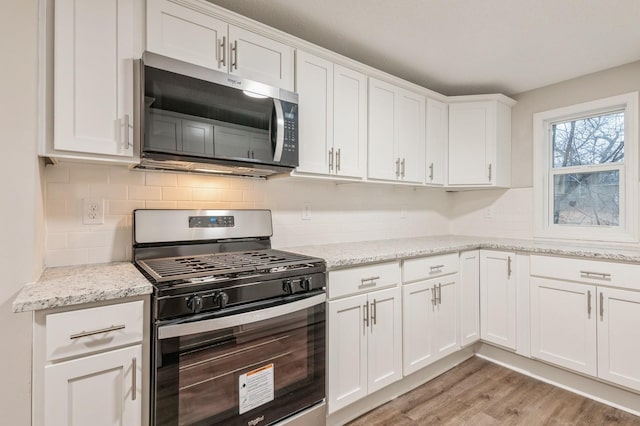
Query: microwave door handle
(185, 329)
(277, 155)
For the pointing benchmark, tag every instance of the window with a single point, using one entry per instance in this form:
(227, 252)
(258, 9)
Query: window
(585, 170)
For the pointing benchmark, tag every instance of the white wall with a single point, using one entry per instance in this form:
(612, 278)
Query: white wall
(339, 212)
(21, 223)
(512, 209)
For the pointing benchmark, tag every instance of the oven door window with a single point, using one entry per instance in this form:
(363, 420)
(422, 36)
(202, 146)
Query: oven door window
(271, 368)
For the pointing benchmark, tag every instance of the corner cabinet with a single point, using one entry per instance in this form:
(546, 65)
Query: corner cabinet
(396, 148)
(94, 44)
(498, 298)
(333, 118)
(364, 344)
(193, 32)
(480, 141)
(579, 322)
(436, 147)
(89, 366)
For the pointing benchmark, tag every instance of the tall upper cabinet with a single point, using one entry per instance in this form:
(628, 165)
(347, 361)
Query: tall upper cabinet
(333, 118)
(94, 44)
(191, 32)
(436, 147)
(480, 141)
(396, 133)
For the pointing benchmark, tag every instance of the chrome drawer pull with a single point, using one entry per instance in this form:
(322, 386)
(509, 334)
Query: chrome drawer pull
(365, 318)
(436, 267)
(134, 372)
(591, 274)
(589, 303)
(369, 281)
(91, 333)
(601, 306)
(374, 312)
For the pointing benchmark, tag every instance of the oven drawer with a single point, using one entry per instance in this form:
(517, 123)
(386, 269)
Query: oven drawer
(586, 270)
(361, 279)
(93, 329)
(424, 268)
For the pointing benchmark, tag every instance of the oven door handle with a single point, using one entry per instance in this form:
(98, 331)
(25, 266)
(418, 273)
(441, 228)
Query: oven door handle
(177, 330)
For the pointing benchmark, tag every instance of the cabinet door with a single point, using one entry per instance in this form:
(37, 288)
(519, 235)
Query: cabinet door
(384, 339)
(101, 390)
(469, 291)
(410, 135)
(498, 298)
(619, 336)
(347, 351)
(314, 84)
(382, 162)
(94, 45)
(436, 146)
(471, 133)
(350, 122)
(563, 329)
(259, 58)
(445, 325)
(177, 31)
(418, 306)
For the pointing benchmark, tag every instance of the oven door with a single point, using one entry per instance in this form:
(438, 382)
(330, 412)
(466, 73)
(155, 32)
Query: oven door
(259, 366)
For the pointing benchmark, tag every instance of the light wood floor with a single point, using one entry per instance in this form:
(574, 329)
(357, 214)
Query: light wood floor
(478, 393)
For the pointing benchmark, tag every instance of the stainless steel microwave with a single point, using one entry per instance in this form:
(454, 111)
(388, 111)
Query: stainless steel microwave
(194, 119)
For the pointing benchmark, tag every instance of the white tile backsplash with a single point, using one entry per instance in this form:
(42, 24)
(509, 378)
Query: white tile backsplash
(340, 212)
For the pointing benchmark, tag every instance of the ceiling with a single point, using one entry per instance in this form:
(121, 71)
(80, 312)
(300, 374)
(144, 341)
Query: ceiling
(464, 46)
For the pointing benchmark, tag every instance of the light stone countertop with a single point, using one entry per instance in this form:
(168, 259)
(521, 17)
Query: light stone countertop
(74, 285)
(343, 255)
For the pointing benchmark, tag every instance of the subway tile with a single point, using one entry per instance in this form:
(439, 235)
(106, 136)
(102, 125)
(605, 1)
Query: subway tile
(206, 194)
(57, 240)
(108, 191)
(160, 205)
(92, 173)
(66, 191)
(126, 176)
(87, 239)
(56, 174)
(145, 192)
(253, 196)
(66, 257)
(123, 207)
(229, 195)
(161, 179)
(177, 194)
(55, 208)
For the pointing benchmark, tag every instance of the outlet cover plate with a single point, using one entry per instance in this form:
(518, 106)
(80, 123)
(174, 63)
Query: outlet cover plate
(92, 211)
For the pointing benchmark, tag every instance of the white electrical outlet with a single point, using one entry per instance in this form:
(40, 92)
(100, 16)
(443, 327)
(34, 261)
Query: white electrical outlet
(306, 211)
(488, 212)
(403, 212)
(93, 211)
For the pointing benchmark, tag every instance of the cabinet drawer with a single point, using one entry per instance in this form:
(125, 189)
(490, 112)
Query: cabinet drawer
(429, 267)
(88, 330)
(586, 270)
(363, 278)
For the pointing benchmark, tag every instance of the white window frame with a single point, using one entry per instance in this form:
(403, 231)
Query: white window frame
(542, 172)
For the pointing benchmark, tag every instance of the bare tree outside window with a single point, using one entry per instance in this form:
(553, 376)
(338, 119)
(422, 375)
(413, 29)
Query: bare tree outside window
(588, 198)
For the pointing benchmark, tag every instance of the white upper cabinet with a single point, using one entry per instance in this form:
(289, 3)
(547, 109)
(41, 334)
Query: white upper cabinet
(480, 142)
(437, 136)
(95, 42)
(332, 104)
(191, 32)
(396, 133)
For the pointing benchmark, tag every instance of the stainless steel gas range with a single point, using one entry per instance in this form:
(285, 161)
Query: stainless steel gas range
(238, 332)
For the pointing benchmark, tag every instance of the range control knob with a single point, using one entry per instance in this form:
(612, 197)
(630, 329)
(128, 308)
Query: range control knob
(287, 286)
(305, 284)
(221, 299)
(194, 303)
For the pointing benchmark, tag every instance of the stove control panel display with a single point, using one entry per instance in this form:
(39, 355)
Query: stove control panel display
(211, 222)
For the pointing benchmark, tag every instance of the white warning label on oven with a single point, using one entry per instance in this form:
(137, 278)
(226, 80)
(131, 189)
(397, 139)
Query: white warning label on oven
(256, 388)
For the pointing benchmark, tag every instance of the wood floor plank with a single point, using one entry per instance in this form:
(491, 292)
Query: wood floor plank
(478, 393)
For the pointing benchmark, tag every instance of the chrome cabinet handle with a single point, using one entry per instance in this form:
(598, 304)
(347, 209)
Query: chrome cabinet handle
(398, 168)
(223, 54)
(374, 312)
(489, 172)
(589, 302)
(434, 297)
(234, 51)
(599, 275)
(436, 267)
(134, 372)
(127, 142)
(601, 306)
(365, 308)
(431, 171)
(331, 160)
(338, 160)
(439, 294)
(509, 267)
(402, 168)
(92, 333)
(369, 281)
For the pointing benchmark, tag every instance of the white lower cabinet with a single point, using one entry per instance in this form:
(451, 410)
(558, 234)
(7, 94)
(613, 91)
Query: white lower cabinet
(498, 298)
(586, 328)
(469, 296)
(364, 343)
(103, 389)
(429, 321)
